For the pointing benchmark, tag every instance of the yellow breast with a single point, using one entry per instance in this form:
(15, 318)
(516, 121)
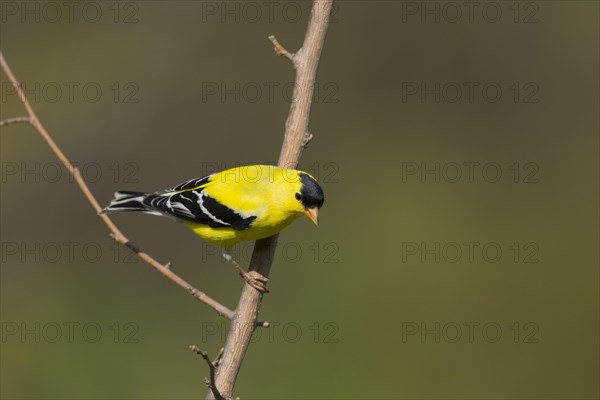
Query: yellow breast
(263, 191)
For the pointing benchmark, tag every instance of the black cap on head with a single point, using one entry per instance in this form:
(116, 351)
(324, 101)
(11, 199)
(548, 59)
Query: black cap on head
(311, 195)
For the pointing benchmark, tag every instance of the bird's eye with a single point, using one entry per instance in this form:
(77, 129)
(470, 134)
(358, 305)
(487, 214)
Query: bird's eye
(298, 196)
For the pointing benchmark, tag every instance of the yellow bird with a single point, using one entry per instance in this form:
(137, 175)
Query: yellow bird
(236, 205)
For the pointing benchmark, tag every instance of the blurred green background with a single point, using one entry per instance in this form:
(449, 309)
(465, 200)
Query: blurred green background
(376, 302)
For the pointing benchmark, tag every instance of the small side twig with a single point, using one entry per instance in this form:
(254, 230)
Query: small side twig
(16, 120)
(280, 50)
(212, 366)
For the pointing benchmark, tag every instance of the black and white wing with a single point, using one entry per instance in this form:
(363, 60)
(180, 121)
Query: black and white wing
(190, 202)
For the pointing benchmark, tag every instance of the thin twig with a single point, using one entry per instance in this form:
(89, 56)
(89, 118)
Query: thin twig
(16, 120)
(211, 366)
(115, 232)
(296, 137)
(280, 50)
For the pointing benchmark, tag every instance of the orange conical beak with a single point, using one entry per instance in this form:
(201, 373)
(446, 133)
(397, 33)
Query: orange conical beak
(313, 215)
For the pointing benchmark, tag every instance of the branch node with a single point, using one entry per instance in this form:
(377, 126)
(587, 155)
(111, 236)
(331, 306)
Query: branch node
(280, 50)
(307, 138)
(263, 324)
(118, 239)
(133, 247)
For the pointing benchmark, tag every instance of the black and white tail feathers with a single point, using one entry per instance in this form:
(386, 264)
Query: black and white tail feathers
(187, 202)
(127, 201)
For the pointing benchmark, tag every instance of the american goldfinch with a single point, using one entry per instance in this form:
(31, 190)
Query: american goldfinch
(236, 205)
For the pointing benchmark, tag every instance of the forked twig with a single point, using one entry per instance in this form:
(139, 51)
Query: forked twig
(212, 365)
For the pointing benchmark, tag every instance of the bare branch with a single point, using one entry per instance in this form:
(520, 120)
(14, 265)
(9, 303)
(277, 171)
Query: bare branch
(296, 138)
(15, 120)
(115, 232)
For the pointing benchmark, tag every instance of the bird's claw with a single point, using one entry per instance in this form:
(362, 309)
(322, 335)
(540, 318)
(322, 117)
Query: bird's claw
(253, 278)
(256, 280)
